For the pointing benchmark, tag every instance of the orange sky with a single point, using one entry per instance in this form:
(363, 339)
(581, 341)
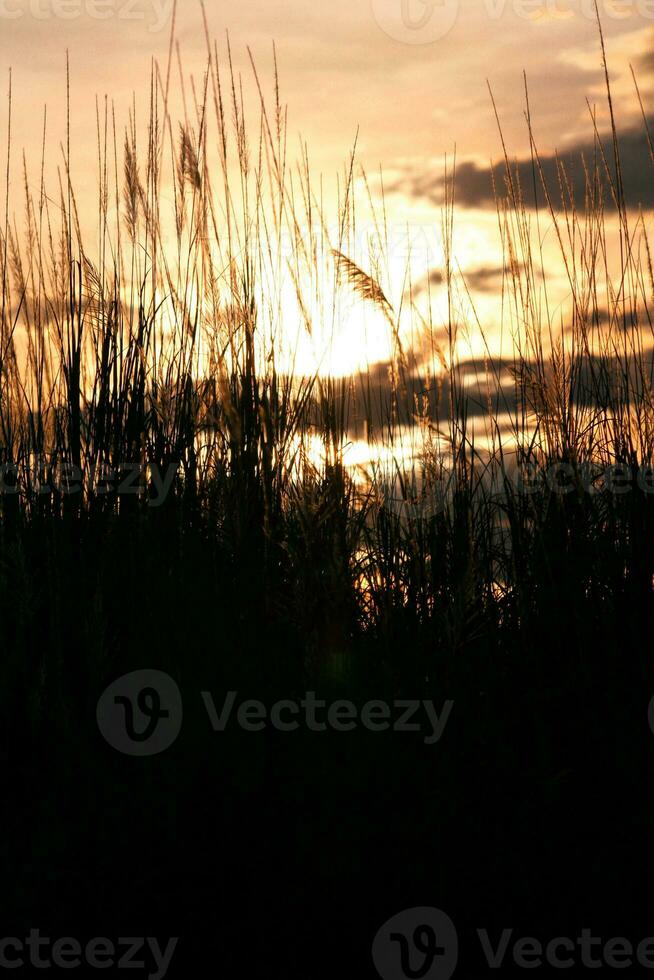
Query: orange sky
(410, 77)
(344, 65)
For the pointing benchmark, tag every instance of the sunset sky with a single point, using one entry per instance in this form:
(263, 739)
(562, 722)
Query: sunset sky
(342, 68)
(411, 79)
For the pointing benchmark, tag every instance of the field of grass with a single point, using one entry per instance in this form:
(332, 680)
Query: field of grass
(514, 580)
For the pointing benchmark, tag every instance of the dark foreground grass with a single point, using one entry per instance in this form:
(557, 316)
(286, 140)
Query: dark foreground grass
(262, 570)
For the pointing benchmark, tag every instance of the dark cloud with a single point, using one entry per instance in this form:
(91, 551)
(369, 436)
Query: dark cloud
(646, 63)
(483, 279)
(433, 278)
(369, 396)
(565, 176)
(367, 401)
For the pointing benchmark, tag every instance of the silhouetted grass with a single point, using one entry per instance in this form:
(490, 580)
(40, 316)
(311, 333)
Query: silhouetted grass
(268, 567)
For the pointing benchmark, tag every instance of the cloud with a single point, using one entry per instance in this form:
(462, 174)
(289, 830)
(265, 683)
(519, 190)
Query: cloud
(481, 279)
(646, 62)
(478, 186)
(480, 384)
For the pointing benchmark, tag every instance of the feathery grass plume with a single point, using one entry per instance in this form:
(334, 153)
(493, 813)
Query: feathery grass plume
(363, 284)
(132, 190)
(189, 167)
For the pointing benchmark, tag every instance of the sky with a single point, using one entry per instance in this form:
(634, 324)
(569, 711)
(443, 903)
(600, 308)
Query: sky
(413, 92)
(409, 80)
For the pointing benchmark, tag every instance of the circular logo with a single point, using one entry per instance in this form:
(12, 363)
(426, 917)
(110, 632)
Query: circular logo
(418, 943)
(416, 21)
(141, 713)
